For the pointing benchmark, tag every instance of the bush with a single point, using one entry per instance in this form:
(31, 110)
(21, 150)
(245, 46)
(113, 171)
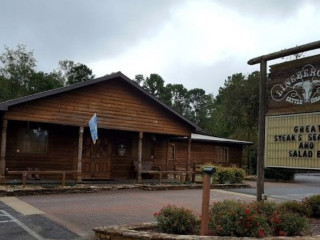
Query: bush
(313, 203)
(239, 175)
(297, 207)
(289, 224)
(172, 219)
(240, 219)
(279, 173)
(234, 218)
(265, 209)
(224, 175)
(227, 174)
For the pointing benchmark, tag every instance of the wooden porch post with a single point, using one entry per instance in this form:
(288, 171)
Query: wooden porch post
(188, 158)
(139, 179)
(3, 148)
(79, 164)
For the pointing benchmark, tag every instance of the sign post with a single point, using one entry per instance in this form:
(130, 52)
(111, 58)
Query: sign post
(207, 173)
(261, 129)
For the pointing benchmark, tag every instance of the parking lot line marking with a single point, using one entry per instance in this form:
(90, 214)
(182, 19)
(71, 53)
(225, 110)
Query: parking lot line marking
(20, 206)
(24, 227)
(6, 221)
(270, 197)
(234, 193)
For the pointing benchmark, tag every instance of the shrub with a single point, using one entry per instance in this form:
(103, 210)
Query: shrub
(172, 219)
(239, 174)
(227, 174)
(240, 219)
(234, 218)
(296, 207)
(224, 175)
(279, 173)
(289, 224)
(265, 209)
(313, 202)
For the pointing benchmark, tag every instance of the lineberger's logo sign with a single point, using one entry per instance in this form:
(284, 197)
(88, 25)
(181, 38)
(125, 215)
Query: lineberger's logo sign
(302, 87)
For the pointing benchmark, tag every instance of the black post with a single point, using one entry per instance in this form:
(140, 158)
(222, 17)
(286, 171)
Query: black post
(261, 129)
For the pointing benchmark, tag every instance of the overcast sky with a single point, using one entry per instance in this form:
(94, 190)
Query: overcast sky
(198, 43)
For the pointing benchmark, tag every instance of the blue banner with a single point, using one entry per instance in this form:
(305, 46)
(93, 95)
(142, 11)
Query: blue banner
(94, 128)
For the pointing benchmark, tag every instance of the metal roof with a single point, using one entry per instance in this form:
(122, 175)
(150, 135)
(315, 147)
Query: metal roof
(209, 138)
(4, 105)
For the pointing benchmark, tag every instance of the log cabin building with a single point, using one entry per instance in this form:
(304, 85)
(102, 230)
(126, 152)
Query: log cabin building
(49, 131)
(208, 149)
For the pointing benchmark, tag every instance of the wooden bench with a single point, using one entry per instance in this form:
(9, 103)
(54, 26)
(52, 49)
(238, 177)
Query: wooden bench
(25, 174)
(196, 170)
(149, 168)
(180, 173)
(146, 166)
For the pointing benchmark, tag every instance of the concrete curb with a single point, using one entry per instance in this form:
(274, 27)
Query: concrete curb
(97, 188)
(61, 190)
(191, 186)
(144, 231)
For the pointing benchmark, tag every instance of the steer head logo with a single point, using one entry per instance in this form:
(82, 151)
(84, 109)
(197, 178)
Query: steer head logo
(301, 87)
(307, 88)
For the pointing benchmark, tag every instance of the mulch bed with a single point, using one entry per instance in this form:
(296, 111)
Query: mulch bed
(315, 226)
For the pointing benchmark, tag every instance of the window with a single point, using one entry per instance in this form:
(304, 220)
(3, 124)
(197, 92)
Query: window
(222, 154)
(31, 140)
(171, 152)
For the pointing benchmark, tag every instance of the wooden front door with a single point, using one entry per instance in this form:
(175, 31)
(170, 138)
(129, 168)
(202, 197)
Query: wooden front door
(171, 157)
(96, 158)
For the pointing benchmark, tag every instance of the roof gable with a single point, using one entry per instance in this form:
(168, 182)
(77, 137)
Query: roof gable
(4, 106)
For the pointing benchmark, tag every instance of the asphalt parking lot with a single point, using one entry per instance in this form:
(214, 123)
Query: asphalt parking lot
(17, 225)
(304, 185)
(72, 216)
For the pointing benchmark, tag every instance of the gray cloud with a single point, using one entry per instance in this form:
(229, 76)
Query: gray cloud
(79, 30)
(210, 77)
(269, 9)
(90, 31)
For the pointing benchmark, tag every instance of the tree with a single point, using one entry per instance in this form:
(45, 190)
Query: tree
(6, 89)
(75, 72)
(235, 111)
(154, 85)
(41, 81)
(236, 107)
(179, 98)
(139, 79)
(18, 75)
(17, 66)
(195, 104)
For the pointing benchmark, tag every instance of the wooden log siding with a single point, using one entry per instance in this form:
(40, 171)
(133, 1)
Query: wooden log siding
(3, 147)
(118, 106)
(61, 152)
(202, 152)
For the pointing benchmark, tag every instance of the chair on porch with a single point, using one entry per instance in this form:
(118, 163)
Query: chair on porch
(145, 167)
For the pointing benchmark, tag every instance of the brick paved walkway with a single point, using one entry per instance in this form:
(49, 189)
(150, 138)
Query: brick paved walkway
(81, 212)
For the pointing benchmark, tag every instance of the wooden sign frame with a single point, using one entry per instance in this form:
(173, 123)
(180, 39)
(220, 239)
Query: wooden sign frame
(262, 104)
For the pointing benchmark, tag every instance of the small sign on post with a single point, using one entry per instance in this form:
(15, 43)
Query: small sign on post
(93, 125)
(207, 173)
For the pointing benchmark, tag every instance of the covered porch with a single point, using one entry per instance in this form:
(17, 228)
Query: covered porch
(44, 148)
